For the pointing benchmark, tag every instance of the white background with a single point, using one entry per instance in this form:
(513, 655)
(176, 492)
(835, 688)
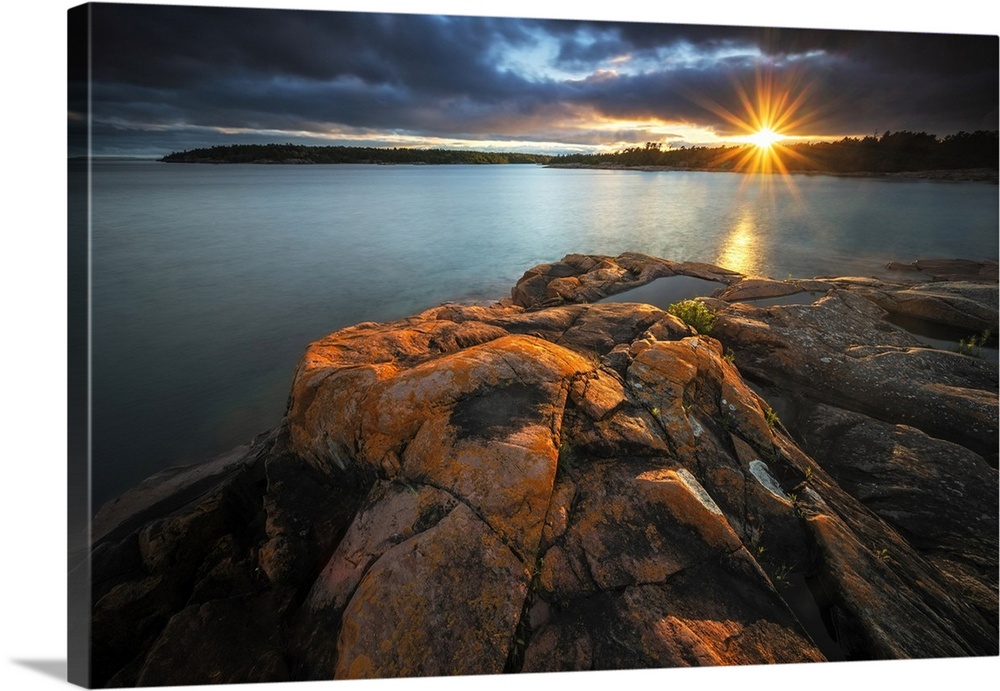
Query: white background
(33, 375)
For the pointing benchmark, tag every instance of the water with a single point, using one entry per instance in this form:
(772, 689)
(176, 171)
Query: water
(209, 281)
(664, 292)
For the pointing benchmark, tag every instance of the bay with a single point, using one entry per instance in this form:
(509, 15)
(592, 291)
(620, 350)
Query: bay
(209, 281)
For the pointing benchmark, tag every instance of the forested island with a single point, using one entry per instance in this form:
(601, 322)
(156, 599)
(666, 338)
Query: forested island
(295, 153)
(892, 153)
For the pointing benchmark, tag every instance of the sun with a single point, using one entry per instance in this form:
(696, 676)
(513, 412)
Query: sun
(765, 137)
(772, 110)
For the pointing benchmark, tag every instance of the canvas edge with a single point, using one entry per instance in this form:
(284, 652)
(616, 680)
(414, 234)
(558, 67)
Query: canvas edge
(78, 359)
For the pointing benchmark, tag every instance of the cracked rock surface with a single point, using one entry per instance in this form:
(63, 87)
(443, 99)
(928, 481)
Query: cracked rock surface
(552, 483)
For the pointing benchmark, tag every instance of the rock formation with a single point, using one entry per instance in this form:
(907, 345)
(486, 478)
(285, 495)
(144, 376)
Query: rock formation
(556, 483)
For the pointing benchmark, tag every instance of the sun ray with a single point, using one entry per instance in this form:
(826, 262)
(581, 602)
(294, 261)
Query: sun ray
(771, 109)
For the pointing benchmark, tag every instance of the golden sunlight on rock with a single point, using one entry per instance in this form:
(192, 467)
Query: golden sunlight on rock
(553, 483)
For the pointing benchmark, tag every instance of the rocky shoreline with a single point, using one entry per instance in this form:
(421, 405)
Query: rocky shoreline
(560, 482)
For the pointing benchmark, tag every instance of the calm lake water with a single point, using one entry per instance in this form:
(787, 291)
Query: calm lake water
(209, 281)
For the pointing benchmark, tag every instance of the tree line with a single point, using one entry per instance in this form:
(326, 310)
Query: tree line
(295, 153)
(890, 152)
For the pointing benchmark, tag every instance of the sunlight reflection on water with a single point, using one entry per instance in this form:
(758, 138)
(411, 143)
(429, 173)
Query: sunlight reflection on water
(741, 249)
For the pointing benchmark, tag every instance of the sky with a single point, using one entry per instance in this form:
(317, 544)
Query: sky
(172, 78)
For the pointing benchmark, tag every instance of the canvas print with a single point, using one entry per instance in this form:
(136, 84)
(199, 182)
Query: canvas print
(407, 345)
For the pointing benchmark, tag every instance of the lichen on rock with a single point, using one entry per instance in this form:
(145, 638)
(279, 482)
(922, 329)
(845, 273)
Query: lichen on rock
(548, 484)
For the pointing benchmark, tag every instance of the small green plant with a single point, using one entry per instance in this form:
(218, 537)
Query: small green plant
(655, 412)
(754, 535)
(695, 314)
(808, 474)
(566, 459)
(771, 417)
(729, 356)
(881, 554)
(782, 574)
(973, 345)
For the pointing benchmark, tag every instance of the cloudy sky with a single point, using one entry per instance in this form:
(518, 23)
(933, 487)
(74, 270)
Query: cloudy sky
(173, 78)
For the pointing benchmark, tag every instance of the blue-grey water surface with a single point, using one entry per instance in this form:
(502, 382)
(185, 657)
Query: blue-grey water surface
(209, 281)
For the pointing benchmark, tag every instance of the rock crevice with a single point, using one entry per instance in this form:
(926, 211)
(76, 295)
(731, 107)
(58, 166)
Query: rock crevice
(556, 483)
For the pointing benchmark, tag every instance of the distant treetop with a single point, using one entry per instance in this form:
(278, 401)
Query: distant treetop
(295, 153)
(892, 152)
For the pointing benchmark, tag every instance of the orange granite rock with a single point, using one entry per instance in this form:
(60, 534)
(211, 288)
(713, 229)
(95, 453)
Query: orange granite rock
(550, 484)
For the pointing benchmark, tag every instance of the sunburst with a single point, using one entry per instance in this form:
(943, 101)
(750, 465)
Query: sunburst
(765, 138)
(772, 111)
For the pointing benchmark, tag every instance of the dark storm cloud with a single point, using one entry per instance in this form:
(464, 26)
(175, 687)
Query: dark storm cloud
(855, 80)
(173, 47)
(175, 71)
